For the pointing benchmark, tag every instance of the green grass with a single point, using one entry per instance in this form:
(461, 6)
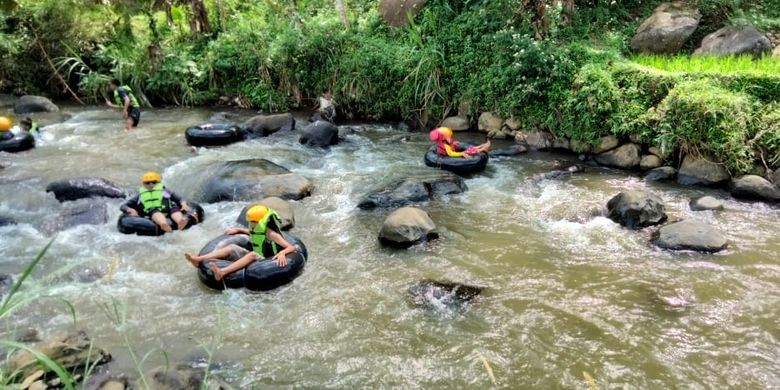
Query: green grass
(767, 66)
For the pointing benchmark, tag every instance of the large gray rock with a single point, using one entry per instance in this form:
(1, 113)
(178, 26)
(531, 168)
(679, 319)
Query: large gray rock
(397, 12)
(702, 170)
(625, 157)
(84, 187)
(407, 226)
(247, 180)
(181, 377)
(754, 187)
(414, 190)
(650, 161)
(661, 174)
(538, 140)
(489, 123)
(85, 212)
(577, 146)
(605, 143)
(28, 103)
(456, 123)
(690, 235)
(705, 203)
(667, 29)
(731, 40)
(5, 221)
(320, 134)
(636, 209)
(263, 125)
(431, 294)
(281, 206)
(513, 124)
(509, 151)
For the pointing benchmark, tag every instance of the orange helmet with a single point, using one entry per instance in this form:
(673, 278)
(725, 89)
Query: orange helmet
(5, 123)
(151, 177)
(256, 213)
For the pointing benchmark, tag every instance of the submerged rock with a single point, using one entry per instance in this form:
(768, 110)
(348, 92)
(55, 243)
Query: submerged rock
(754, 187)
(636, 209)
(508, 151)
(414, 190)
(690, 235)
(264, 125)
(320, 134)
(6, 281)
(247, 180)
(82, 213)
(407, 226)
(5, 221)
(667, 29)
(432, 294)
(563, 173)
(705, 203)
(28, 103)
(84, 187)
(281, 206)
(661, 174)
(675, 299)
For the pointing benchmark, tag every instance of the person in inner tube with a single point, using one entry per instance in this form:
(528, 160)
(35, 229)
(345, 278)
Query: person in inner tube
(157, 202)
(447, 146)
(266, 237)
(28, 125)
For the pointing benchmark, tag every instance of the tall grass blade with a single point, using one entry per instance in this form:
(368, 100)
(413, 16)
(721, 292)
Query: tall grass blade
(7, 306)
(62, 373)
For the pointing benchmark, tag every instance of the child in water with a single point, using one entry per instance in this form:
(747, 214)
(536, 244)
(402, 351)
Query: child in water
(448, 147)
(30, 126)
(327, 106)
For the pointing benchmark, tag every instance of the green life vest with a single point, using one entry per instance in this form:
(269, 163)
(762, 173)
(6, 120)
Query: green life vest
(153, 199)
(34, 128)
(258, 233)
(133, 100)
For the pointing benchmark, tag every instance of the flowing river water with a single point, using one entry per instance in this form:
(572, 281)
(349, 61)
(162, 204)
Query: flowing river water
(569, 295)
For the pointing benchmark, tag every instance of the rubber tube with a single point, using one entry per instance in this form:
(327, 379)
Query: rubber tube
(143, 226)
(457, 165)
(213, 135)
(19, 143)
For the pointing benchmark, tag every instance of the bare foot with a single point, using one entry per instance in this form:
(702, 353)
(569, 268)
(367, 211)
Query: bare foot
(217, 272)
(195, 262)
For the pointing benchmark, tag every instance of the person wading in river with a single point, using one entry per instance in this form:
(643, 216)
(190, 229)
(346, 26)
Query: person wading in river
(124, 99)
(266, 237)
(156, 202)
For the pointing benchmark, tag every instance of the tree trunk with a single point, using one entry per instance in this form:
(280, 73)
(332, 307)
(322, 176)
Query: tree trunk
(343, 13)
(168, 5)
(201, 16)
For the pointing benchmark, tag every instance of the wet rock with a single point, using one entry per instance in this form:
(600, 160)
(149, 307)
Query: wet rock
(320, 134)
(182, 377)
(281, 206)
(661, 174)
(489, 122)
(5, 221)
(775, 177)
(733, 40)
(538, 140)
(73, 351)
(579, 146)
(636, 209)
(84, 187)
(28, 335)
(513, 124)
(655, 151)
(432, 294)
(563, 173)
(6, 281)
(705, 203)
(702, 170)
(394, 12)
(667, 29)
(104, 380)
(650, 161)
(513, 150)
(414, 190)
(220, 117)
(624, 157)
(407, 226)
(264, 125)
(605, 144)
(80, 213)
(456, 123)
(28, 103)
(561, 143)
(754, 187)
(673, 298)
(248, 180)
(690, 235)
(345, 131)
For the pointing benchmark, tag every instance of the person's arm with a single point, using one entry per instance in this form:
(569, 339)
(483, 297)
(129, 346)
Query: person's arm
(451, 151)
(238, 230)
(281, 257)
(129, 206)
(112, 105)
(177, 200)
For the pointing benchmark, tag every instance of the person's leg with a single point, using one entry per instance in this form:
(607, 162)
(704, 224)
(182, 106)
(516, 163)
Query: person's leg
(221, 253)
(220, 273)
(161, 221)
(178, 217)
(484, 148)
(135, 115)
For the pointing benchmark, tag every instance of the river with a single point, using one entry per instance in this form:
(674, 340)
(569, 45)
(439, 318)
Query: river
(568, 295)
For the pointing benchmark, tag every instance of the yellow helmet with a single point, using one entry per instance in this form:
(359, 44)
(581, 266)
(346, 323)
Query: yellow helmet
(151, 176)
(445, 131)
(5, 123)
(256, 213)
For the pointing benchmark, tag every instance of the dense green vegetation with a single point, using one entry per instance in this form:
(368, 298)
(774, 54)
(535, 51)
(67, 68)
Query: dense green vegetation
(565, 69)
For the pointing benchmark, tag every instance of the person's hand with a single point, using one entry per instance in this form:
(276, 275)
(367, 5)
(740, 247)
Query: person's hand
(232, 231)
(132, 212)
(185, 208)
(281, 259)
(107, 102)
(124, 114)
(468, 156)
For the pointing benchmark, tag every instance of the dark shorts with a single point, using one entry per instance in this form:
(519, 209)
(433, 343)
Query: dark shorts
(135, 115)
(168, 214)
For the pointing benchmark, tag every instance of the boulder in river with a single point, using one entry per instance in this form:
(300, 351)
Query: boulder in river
(489, 122)
(456, 123)
(407, 226)
(606, 143)
(6, 281)
(636, 209)
(667, 29)
(690, 235)
(705, 203)
(564, 172)
(264, 125)
(577, 146)
(181, 377)
(398, 12)
(624, 157)
(247, 180)
(85, 212)
(5, 221)
(320, 134)
(754, 187)
(702, 170)
(281, 206)
(414, 190)
(661, 174)
(509, 151)
(650, 161)
(28, 103)
(84, 187)
(436, 295)
(734, 40)
(538, 139)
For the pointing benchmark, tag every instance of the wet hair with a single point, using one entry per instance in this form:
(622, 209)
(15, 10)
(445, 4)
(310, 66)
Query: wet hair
(26, 121)
(115, 82)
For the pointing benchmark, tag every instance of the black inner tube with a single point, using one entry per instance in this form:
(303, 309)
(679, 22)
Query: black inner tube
(143, 226)
(457, 165)
(213, 135)
(19, 143)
